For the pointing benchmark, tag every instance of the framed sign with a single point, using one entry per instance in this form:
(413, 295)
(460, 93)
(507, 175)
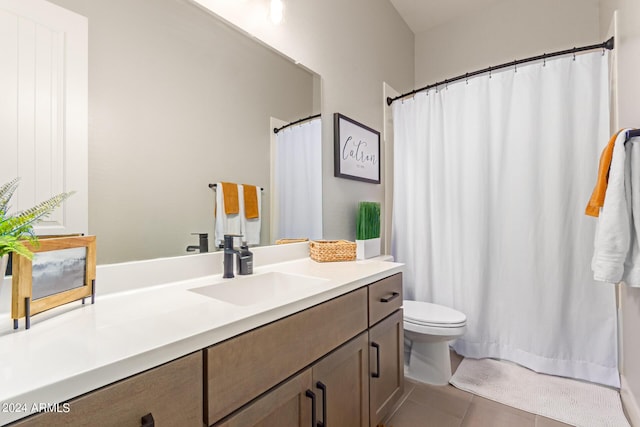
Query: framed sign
(356, 151)
(62, 270)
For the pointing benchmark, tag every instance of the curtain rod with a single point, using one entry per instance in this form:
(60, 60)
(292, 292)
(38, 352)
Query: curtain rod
(214, 186)
(276, 130)
(605, 45)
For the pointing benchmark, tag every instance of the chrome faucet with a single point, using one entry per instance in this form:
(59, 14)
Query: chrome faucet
(229, 251)
(203, 244)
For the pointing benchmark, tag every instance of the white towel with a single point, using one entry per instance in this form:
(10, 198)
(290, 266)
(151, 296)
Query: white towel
(616, 251)
(227, 224)
(250, 227)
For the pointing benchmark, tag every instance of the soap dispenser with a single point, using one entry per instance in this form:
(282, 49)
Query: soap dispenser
(245, 260)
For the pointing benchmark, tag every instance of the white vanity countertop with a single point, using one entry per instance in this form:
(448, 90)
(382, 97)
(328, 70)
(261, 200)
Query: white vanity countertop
(75, 349)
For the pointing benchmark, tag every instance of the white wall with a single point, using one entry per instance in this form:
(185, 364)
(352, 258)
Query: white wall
(508, 30)
(355, 46)
(628, 83)
(177, 99)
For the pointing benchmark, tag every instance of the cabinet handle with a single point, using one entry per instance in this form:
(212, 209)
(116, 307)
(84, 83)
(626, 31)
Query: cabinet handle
(312, 396)
(147, 421)
(323, 388)
(393, 296)
(376, 374)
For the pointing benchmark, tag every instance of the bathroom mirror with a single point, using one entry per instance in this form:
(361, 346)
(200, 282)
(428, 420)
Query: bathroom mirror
(178, 99)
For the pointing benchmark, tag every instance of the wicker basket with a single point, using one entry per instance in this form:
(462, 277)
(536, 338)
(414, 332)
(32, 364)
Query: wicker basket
(332, 250)
(285, 241)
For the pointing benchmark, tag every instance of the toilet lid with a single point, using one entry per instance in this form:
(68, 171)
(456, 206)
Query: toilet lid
(428, 314)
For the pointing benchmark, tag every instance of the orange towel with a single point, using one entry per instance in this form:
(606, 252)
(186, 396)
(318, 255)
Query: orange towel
(230, 193)
(599, 191)
(250, 201)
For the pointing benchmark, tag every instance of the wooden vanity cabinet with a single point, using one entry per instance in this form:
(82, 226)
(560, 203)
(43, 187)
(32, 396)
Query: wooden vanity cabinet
(242, 368)
(386, 347)
(336, 386)
(171, 393)
(342, 357)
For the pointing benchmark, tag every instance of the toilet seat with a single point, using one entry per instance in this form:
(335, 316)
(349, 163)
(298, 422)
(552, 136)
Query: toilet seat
(420, 313)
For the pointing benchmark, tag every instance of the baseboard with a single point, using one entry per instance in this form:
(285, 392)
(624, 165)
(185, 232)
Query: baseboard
(629, 402)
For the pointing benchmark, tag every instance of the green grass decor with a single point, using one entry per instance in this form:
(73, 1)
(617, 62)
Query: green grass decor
(368, 223)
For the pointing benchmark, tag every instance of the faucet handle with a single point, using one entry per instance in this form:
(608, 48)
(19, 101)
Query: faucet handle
(228, 240)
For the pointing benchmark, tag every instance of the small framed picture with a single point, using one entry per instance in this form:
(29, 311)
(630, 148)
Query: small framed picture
(63, 270)
(356, 150)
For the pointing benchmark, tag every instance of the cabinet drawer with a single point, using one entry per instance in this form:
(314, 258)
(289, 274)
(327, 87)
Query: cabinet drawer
(242, 368)
(385, 297)
(172, 393)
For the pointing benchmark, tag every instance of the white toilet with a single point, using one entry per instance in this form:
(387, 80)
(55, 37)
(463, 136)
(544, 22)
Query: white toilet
(429, 328)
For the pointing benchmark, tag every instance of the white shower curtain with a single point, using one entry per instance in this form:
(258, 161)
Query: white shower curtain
(491, 178)
(298, 181)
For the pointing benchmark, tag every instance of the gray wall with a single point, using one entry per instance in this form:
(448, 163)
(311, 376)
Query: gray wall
(355, 46)
(508, 30)
(177, 100)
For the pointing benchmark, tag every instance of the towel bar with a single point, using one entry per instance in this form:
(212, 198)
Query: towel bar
(214, 186)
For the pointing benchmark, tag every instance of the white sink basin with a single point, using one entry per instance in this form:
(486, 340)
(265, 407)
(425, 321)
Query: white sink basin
(254, 289)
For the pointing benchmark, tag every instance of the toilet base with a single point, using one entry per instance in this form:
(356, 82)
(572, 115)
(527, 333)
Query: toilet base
(429, 362)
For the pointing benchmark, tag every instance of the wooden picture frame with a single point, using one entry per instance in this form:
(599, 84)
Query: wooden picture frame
(356, 151)
(65, 271)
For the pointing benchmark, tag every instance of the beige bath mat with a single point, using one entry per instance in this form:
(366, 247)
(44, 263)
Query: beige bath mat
(569, 401)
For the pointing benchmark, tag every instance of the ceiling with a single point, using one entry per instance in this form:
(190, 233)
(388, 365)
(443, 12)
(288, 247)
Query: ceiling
(423, 15)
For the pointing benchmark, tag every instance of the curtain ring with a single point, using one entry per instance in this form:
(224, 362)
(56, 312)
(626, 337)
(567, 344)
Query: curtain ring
(466, 76)
(603, 51)
(515, 66)
(446, 85)
(574, 53)
(544, 59)
(490, 72)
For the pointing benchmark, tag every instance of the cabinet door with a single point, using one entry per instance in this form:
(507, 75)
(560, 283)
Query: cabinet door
(341, 384)
(172, 393)
(386, 340)
(288, 405)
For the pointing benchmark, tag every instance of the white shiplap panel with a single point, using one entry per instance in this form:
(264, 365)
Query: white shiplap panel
(43, 71)
(9, 98)
(42, 115)
(25, 197)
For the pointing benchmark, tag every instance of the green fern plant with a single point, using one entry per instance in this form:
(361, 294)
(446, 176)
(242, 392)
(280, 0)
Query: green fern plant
(368, 223)
(17, 228)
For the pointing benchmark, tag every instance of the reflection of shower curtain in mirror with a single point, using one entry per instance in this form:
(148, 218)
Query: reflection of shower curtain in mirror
(298, 181)
(490, 183)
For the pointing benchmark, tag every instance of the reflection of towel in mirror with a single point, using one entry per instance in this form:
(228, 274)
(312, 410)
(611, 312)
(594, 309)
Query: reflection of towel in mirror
(250, 193)
(251, 226)
(231, 204)
(226, 224)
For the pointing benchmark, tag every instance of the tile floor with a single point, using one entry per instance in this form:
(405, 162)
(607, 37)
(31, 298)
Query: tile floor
(424, 405)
